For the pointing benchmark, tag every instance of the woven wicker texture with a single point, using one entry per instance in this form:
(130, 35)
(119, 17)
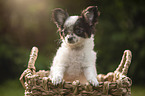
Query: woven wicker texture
(113, 84)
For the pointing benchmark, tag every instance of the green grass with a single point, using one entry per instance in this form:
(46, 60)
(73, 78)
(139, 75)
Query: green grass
(11, 88)
(14, 88)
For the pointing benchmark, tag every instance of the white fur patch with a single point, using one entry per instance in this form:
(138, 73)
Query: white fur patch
(71, 20)
(75, 64)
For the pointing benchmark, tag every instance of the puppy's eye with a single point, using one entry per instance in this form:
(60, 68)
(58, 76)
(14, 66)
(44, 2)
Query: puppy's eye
(79, 30)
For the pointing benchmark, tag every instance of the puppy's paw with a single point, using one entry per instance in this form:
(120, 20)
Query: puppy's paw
(56, 80)
(94, 82)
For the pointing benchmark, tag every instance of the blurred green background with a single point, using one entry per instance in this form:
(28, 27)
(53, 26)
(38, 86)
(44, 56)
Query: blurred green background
(28, 23)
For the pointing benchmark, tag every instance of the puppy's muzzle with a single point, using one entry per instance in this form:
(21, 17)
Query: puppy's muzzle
(70, 39)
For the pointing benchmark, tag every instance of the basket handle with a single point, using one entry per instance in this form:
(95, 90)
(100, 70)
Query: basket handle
(32, 59)
(125, 62)
(31, 63)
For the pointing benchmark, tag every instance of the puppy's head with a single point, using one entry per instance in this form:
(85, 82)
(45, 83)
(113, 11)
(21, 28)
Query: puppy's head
(74, 29)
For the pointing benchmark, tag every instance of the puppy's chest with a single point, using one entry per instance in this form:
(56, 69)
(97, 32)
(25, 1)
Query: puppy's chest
(76, 57)
(75, 61)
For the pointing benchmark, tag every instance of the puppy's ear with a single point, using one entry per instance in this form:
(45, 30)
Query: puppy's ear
(91, 15)
(59, 16)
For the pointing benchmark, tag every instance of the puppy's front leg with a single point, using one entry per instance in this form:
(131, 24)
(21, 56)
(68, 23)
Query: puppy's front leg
(91, 75)
(56, 74)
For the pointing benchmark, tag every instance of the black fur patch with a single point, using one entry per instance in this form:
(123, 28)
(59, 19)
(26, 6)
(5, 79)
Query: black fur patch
(82, 28)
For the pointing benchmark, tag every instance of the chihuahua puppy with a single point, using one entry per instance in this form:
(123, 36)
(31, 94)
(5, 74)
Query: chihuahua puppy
(75, 59)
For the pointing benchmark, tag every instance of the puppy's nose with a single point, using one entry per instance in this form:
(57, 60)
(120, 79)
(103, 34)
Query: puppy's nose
(70, 39)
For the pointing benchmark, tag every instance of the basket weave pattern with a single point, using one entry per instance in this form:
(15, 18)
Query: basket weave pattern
(113, 84)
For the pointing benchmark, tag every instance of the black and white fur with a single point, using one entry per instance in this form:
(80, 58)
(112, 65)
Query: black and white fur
(75, 59)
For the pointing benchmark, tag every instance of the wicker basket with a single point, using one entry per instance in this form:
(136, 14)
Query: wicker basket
(113, 84)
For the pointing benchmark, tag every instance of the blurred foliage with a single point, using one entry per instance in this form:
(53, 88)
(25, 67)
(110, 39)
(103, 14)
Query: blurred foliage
(11, 88)
(28, 23)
